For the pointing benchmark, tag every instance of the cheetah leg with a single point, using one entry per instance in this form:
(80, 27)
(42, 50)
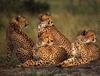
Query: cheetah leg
(74, 61)
(30, 63)
(9, 55)
(27, 64)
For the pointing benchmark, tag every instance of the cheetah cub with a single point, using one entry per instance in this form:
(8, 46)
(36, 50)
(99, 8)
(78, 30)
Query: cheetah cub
(48, 34)
(18, 42)
(83, 50)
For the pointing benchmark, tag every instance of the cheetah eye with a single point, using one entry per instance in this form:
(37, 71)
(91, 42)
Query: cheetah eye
(48, 22)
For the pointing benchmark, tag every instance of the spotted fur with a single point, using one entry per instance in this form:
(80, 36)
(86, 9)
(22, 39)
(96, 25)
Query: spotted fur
(48, 55)
(48, 34)
(18, 42)
(83, 50)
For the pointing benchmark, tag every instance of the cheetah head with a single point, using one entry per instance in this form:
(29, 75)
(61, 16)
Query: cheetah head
(19, 21)
(45, 20)
(88, 36)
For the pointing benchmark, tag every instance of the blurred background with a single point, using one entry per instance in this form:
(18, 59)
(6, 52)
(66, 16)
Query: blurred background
(70, 17)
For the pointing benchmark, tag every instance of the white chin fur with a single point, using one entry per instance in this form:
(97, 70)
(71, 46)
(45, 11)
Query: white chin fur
(42, 25)
(88, 41)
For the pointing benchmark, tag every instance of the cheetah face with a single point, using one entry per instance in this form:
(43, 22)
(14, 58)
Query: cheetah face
(44, 17)
(45, 20)
(19, 21)
(88, 36)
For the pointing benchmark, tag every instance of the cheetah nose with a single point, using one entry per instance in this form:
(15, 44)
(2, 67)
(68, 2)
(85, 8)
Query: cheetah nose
(94, 40)
(25, 25)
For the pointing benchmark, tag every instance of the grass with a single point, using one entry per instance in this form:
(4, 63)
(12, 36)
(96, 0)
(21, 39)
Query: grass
(70, 17)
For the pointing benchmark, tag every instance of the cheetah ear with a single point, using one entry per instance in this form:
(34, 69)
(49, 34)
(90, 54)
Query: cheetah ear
(40, 16)
(48, 13)
(17, 18)
(84, 32)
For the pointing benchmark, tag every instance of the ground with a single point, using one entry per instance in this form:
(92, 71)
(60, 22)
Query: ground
(91, 69)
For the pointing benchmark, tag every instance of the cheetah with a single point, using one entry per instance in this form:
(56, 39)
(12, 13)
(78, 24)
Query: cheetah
(48, 34)
(52, 44)
(48, 56)
(17, 41)
(83, 50)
